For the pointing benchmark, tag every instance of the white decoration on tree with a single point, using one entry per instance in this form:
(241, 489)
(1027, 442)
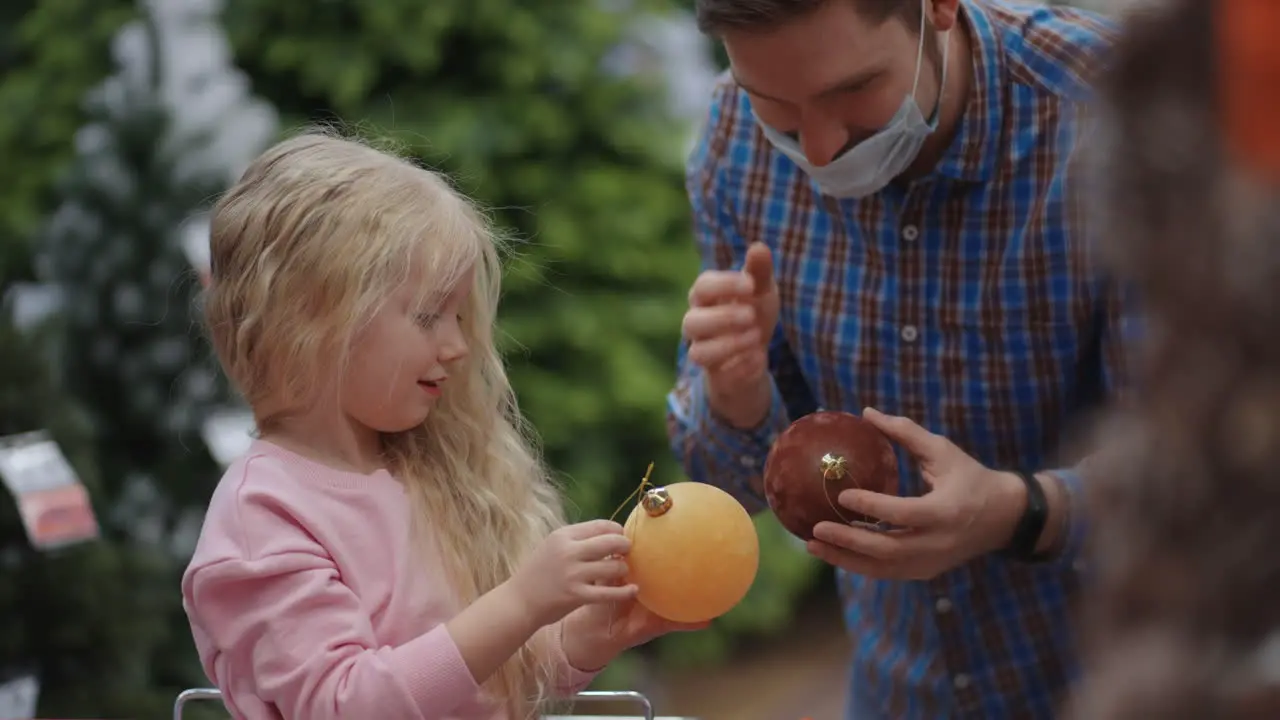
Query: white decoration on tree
(217, 126)
(19, 697)
(228, 434)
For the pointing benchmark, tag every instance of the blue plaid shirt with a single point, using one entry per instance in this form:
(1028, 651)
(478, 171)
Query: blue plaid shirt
(966, 301)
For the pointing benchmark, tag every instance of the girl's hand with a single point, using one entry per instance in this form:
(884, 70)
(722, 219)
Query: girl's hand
(576, 565)
(594, 635)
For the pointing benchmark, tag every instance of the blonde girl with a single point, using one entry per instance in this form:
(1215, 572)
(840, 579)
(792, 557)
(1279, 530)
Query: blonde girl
(391, 545)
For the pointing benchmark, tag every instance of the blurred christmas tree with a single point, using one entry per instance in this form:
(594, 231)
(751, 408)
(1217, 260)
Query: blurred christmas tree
(84, 619)
(167, 131)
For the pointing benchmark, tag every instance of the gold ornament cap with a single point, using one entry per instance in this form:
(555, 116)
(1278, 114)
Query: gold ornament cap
(656, 501)
(834, 467)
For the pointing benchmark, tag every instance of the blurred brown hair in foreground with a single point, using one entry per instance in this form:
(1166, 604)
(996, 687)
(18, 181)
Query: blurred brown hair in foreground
(1182, 615)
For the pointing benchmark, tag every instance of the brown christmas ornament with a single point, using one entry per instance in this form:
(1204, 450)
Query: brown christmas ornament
(818, 457)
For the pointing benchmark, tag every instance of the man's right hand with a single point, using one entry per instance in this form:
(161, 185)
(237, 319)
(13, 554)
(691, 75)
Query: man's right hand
(731, 318)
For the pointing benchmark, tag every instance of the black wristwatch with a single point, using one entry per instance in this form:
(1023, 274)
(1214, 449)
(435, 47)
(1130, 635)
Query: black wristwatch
(1022, 546)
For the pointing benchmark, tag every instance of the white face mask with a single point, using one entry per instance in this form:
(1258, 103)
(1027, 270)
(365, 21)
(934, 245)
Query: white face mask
(866, 168)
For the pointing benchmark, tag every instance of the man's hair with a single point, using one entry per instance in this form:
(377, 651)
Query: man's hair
(718, 16)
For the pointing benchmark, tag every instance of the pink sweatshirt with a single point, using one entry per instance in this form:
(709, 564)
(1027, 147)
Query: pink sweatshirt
(305, 603)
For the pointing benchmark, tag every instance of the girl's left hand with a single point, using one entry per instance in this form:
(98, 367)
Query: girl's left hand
(636, 625)
(595, 634)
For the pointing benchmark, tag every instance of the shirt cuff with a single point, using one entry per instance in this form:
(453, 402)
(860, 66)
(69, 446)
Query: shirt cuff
(570, 680)
(744, 450)
(432, 668)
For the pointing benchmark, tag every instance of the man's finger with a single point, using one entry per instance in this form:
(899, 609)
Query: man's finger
(853, 562)
(759, 265)
(921, 513)
(713, 321)
(917, 569)
(716, 352)
(904, 431)
(744, 366)
(718, 286)
(891, 546)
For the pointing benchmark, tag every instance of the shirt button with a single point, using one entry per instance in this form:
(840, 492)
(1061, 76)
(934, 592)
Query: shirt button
(961, 681)
(910, 333)
(747, 461)
(910, 233)
(943, 606)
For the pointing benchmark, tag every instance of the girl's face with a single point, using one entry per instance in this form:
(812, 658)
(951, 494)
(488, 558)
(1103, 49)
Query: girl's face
(400, 361)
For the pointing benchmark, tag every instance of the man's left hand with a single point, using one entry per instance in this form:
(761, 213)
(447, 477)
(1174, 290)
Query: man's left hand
(968, 511)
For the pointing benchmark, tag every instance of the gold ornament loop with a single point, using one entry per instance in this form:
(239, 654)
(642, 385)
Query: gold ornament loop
(834, 467)
(656, 501)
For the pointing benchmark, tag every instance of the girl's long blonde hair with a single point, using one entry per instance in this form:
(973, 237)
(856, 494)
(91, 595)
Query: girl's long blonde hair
(306, 247)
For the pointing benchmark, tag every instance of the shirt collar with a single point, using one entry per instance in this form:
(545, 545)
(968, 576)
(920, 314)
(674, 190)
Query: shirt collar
(975, 149)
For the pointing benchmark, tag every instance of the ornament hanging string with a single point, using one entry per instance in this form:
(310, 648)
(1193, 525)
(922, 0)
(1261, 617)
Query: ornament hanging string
(835, 467)
(638, 492)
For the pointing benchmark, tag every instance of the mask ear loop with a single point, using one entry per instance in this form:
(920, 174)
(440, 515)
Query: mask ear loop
(946, 56)
(919, 50)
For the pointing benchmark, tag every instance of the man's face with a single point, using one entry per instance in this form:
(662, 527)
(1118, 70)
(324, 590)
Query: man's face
(831, 79)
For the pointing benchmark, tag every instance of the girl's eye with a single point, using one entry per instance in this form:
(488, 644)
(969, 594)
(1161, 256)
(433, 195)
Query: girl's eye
(429, 321)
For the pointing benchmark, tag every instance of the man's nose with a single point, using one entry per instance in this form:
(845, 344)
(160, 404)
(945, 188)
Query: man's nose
(823, 140)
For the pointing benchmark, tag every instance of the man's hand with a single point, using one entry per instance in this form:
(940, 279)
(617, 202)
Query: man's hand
(969, 510)
(731, 318)
(595, 634)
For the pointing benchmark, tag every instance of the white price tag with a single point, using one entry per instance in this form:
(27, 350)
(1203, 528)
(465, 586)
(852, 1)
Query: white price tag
(53, 503)
(18, 698)
(228, 434)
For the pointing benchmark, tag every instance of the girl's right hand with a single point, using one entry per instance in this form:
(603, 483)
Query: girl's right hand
(575, 565)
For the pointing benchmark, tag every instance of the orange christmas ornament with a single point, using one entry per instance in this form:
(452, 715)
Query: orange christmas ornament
(694, 550)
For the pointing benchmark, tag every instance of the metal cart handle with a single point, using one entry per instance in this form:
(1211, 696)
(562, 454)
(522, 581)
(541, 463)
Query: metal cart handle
(616, 696)
(187, 696)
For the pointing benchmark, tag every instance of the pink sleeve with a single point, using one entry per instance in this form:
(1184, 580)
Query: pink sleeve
(289, 621)
(569, 679)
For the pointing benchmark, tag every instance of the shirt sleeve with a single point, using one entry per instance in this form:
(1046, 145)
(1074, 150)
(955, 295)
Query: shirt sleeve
(711, 450)
(569, 680)
(1119, 334)
(287, 620)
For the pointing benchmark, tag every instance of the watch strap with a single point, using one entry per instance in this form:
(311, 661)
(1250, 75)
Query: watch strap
(1026, 535)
